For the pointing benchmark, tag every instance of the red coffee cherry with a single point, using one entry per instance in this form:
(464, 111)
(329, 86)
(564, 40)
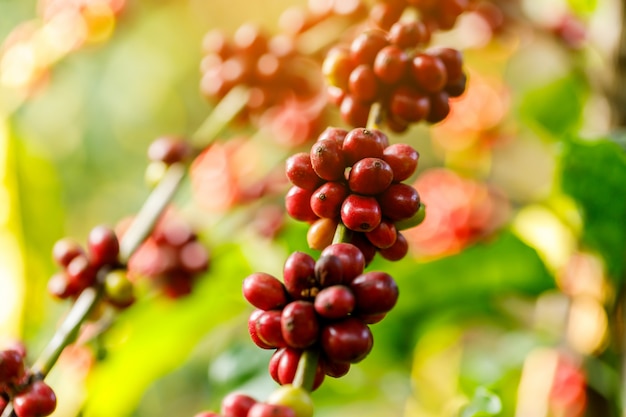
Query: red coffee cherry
(365, 246)
(384, 235)
(287, 365)
(409, 105)
(370, 176)
(397, 251)
(384, 14)
(390, 65)
(236, 404)
(334, 133)
(300, 171)
(11, 366)
(298, 204)
(328, 271)
(327, 160)
(402, 159)
(399, 201)
(353, 111)
(408, 34)
(363, 84)
(252, 330)
(64, 250)
(429, 72)
(264, 291)
(299, 275)
(270, 410)
(452, 60)
(299, 324)
(375, 292)
(439, 107)
(37, 400)
(80, 273)
(366, 45)
(268, 328)
(334, 302)
(360, 213)
(327, 199)
(362, 143)
(352, 259)
(103, 246)
(347, 341)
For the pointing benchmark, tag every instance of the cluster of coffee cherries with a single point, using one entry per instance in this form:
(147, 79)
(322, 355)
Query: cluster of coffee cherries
(172, 257)
(355, 177)
(392, 68)
(30, 396)
(269, 66)
(436, 14)
(286, 401)
(80, 268)
(325, 305)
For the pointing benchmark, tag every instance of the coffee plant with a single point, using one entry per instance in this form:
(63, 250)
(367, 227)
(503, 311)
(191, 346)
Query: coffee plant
(312, 208)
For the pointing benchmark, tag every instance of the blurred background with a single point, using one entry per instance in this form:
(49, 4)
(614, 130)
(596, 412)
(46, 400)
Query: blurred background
(510, 296)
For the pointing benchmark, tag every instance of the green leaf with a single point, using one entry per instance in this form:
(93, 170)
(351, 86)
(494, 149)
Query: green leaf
(483, 403)
(594, 175)
(554, 109)
(583, 7)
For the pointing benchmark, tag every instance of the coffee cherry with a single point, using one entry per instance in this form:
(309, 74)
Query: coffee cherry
(384, 14)
(360, 213)
(371, 318)
(375, 292)
(169, 150)
(391, 64)
(37, 400)
(408, 104)
(399, 201)
(321, 233)
(270, 410)
(299, 324)
(298, 204)
(285, 361)
(352, 260)
(11, 366)
(268, 328)
(354, 111)
(328, 271)
(337, 134)
(59, 287)
(439, 107)
(327, 199)
(414, 220)
(299, 276)
(370, 176)
(429, 72)
(384, 235)
(193, 257)
(64, 250)
(363, 84)
(334, 369)
(118, 288)
(363, 143)
(397, 251)
(366, 45)
(334, 302)
(347, 341)
(452, 60)
(264, 291)
(296, 398)
(103, 246)
(402, 159)
(327, 160)
(80, 273)
(236, 404)
(252, 330)
(365, 246)
(408, 34)
(337, 67)
(300, 171)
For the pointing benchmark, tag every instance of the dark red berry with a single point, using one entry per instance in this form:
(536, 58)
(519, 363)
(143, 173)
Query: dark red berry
(334, 133)
(363, 84)
(80, 273)
(103, 246)
(299, 324)
(398, 250)
(384, 15)
(408, 34)
(287, 366)
(334, 302)
(327, 199)
(328, 271)
(429, 72)
(64, 250)
(268, 328)
(300, 171)
(299, 275)
(236, 404)
(370, 176)
(439, 107)
(37, 400)
(335, 369)
(384, 235)
(327, 159)
(11, 366)
(391, 64)
(352, 260)
(408, 104)
(399, 201)
(366, 45)
(375, 292)
(252, 320)
(360, 213)
(452, 60)
(362, 143)
(353, 111)
(402, 159)
(264, 291)
(347, 341)
(298, 204)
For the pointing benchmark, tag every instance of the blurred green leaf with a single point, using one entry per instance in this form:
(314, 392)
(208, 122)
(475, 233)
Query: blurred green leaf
(157, 336)
(594, 174)
(584, 7)
(483, 403)
(555, 108)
